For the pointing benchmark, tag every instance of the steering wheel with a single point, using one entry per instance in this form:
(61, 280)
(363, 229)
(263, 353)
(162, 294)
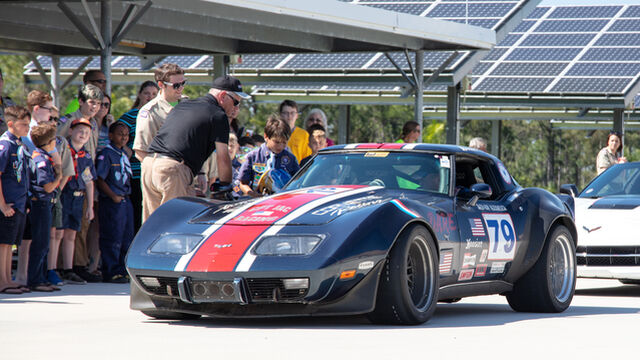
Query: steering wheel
(376, 182)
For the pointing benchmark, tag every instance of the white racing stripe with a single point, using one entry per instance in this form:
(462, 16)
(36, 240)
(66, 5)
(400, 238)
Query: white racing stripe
(247, 260)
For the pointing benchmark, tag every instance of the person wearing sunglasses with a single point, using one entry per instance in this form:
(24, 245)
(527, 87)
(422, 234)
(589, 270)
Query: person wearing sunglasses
(94, 77)
(171, 82)
(192, 131)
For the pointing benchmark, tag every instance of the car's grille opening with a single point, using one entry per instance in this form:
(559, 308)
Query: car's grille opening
(608, 255)
(273, 290)
(162, 286)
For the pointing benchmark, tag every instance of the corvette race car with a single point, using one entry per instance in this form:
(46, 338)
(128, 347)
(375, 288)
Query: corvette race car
(386, 230)
(607, 211)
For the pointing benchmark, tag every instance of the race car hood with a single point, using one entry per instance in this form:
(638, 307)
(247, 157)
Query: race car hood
(310, 206)
(608, 221)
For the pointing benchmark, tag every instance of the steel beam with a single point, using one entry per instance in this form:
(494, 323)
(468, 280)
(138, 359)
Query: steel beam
(453, 112)
(419, 81)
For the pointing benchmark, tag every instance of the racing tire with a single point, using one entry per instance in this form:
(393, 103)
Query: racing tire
(408, 288)
(170, 315)
(549, 286)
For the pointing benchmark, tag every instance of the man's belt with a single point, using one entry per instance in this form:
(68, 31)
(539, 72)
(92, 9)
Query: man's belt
(78, 193)
(163, 156)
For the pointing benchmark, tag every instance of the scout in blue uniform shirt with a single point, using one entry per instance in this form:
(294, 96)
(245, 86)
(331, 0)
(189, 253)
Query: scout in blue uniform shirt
(44, 180)
(73, 194)
(272, 154)
(14, 185)
(115, 213)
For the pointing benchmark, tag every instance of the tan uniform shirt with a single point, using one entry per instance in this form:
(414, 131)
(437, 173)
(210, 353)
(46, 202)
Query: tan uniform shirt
(150, 118)
(605, 160)
(64, 126)
(65, 155)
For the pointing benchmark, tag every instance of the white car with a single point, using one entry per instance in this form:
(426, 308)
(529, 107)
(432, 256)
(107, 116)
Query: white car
(607, 216)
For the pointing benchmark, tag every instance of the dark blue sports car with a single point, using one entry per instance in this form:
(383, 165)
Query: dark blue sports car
(386, 230)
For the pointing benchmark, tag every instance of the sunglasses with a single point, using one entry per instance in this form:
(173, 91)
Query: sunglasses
(99, 81)
(106, 104)
(175, 86)
(235, 102)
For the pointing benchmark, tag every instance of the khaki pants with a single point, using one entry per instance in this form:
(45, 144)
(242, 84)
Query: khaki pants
(162, 180)
(80, 250)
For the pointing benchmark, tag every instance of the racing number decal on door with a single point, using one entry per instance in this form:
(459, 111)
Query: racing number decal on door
(502, 236)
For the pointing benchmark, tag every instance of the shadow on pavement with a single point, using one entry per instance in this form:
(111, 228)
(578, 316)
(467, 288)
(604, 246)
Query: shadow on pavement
(92, 289)
(620, 291)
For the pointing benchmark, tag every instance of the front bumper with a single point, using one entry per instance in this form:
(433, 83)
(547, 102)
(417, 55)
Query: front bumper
(254, 295)
(609, 272)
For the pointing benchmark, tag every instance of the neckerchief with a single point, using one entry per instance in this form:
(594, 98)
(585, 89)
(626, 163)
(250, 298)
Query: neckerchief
(125, 165)
(75, 155)
(18, 165)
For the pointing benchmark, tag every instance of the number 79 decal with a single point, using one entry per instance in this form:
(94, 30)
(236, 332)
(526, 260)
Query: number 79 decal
(502, 236)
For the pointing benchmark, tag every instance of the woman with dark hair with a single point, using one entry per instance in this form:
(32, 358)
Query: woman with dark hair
(148, 91)
(410, 132)
(610, 154)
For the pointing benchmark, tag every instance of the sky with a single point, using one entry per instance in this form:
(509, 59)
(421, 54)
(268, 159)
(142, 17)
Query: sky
(590, 2)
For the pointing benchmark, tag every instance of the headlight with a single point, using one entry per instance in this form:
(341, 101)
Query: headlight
(175, 244)
(288, 245)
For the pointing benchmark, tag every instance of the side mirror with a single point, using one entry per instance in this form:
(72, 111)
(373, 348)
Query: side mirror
(479, 191)
(569, 189)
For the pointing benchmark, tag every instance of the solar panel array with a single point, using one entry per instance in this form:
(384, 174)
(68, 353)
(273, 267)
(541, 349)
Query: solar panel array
(566, 49)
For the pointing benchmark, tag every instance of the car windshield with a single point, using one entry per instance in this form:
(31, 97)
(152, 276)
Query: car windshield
(393, 170)
(622, 179)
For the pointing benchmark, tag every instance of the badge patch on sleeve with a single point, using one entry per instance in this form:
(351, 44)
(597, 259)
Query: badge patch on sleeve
(41, 164)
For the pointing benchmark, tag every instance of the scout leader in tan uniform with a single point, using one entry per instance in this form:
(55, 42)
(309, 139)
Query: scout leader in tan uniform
(170, 79)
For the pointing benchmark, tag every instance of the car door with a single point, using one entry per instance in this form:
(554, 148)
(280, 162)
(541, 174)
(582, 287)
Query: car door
(487, 236)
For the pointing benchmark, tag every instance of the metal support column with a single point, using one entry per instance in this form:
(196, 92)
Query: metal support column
(618, 122)
(220, 66)
(106, 51)
(453, 113)
(343, 124)
(55, 80)
(496, 128)
(419, 93)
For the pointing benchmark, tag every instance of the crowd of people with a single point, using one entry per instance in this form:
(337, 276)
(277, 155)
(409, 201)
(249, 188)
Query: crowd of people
(76, 188)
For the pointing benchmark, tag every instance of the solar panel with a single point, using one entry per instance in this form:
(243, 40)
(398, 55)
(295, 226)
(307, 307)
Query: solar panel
(538, 12)
(414, 9)
(604, 69)
(625, 25)
(585, 12)
(590, 85)
(524, 26)
(612, 54)
(481, 68)
(328, 61)
(496, 53)
(632, 11)
(557, 40)
(431, 60)
(529, 69)
(514, 84)
(510, 39)
(206, 64)
(571, 26)
(128, 62)
(182, 61)
(607, 39)
(542, 54)
(261, 61)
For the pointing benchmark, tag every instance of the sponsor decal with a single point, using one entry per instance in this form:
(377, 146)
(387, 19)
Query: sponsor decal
(365, 265)
(441, 222)
(473, 244)
(465, 275)
(347, 206)
(469, 260)
(376, 154)
(483, 256)
(504, 173)
(481, 270)
(476, 227)
(502, 236)
(491, 207)
(409, 146)
(444, 162)
(497, 267)
(446, 259)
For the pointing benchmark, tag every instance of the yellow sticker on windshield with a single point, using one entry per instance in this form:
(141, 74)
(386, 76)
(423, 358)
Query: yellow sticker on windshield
(376, 154)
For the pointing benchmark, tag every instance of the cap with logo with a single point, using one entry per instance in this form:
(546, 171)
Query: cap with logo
(230, 83)
(81, 121)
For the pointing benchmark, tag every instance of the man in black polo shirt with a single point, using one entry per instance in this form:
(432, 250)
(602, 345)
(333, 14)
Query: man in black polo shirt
(191, 132)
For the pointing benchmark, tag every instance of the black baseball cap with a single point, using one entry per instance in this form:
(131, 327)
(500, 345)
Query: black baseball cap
(230, 83)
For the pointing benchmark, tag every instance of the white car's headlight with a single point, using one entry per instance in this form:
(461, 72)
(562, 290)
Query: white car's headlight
(288, 244)
(175, 244)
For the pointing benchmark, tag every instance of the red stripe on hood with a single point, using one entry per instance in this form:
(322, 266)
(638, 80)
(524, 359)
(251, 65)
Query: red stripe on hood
(392, 146)
(223, 249)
